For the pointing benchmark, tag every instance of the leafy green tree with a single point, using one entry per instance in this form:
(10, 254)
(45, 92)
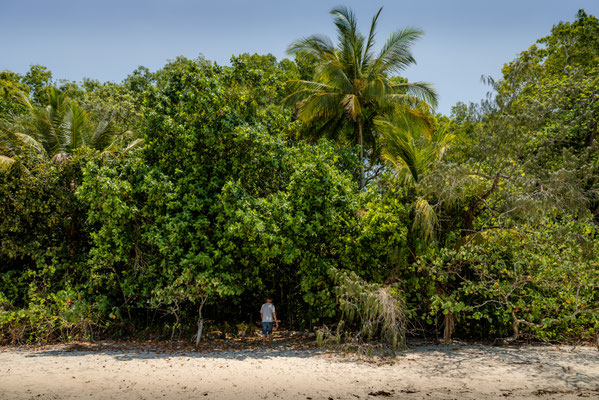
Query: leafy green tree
(43, 221)
(116, 103)
(528, 153)
(261, 78)
(256, 86)
(214, 210)
(352, 83)
(38, 78)
(515, 283)
(11, 87)
(547, 98)
(523, 159)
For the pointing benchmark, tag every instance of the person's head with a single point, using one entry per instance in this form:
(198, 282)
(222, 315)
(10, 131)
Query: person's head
(268, 300)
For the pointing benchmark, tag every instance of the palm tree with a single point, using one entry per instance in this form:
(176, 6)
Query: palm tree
(411, 145)
(352, 83)
(13, 143)
(414, 148)
(57, 130)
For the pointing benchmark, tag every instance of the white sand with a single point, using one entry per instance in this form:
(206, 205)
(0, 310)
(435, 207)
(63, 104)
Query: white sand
(286, 372)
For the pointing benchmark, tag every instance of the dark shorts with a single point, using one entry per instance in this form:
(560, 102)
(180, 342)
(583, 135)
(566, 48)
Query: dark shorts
(267, 328)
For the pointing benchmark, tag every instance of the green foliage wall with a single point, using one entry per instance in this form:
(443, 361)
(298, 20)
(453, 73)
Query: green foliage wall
(216, 204)
(224, 204)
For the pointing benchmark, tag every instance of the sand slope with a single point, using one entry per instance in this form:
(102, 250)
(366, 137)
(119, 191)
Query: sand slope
(289, 372)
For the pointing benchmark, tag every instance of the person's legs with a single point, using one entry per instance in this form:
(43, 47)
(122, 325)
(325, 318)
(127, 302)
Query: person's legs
(266, 331)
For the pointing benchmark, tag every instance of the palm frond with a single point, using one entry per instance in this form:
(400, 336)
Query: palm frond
(320, 105)
(420, 90)
(136, 144)
(6, 163)
(417, 120)
(23, 99)
(377, 90)
(46, 124)
(74, 129)
(425, 219)
(115, 151)
(333, 128)
(310, 85)
(351, 42)
(14, 142)
(335, 77)
(303, 89)
(319, 46)
(345, 21)
(367, 57)
(404, 101)
(103, 135)
(29, 143)
(352, 106)
(395, 55)
(411, 144)
(399, 149)
(443, 139)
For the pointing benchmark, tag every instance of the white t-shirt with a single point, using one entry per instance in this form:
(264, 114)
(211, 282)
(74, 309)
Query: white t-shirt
(267, 310)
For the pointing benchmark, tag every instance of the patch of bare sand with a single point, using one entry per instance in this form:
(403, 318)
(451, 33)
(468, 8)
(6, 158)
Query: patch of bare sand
(288, 372)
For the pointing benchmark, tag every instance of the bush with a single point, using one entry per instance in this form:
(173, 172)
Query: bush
(517, 284)
(369, 313)
(54, 317)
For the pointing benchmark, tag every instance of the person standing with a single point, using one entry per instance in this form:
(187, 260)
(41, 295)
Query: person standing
(269, 316)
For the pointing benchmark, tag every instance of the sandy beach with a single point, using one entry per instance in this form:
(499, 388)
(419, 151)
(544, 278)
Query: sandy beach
(292, 371)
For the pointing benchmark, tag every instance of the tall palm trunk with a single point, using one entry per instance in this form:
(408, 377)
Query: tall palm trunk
(361, 144)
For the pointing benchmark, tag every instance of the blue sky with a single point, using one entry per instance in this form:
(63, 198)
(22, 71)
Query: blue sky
(106, 39)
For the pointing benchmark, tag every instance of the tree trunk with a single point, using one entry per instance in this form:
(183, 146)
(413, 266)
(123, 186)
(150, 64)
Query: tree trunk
(591, 134)
(73, 240)
(361, 144)
(199, 334)
(449, 325)
(200, 322)
(176, 325)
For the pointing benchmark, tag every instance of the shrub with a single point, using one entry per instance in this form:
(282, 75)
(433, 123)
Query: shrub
(517, 284)
(369, 312)
(54, 317)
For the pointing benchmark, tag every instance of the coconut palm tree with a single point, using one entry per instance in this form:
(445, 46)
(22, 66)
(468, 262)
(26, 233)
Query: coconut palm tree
(352, 82)
(13, 143)
(57, 130)
(411, 145)
(414, 148)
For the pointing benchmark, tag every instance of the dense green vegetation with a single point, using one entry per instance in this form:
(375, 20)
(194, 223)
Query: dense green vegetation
(326, 182)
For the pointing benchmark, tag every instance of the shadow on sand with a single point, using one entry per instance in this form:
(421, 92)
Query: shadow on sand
(229, 349)
(567, 365)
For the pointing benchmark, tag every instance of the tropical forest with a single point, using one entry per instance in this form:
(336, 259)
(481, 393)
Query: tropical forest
(171, 204)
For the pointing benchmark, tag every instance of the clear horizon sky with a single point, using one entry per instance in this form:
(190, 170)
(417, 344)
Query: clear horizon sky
(107, 39)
